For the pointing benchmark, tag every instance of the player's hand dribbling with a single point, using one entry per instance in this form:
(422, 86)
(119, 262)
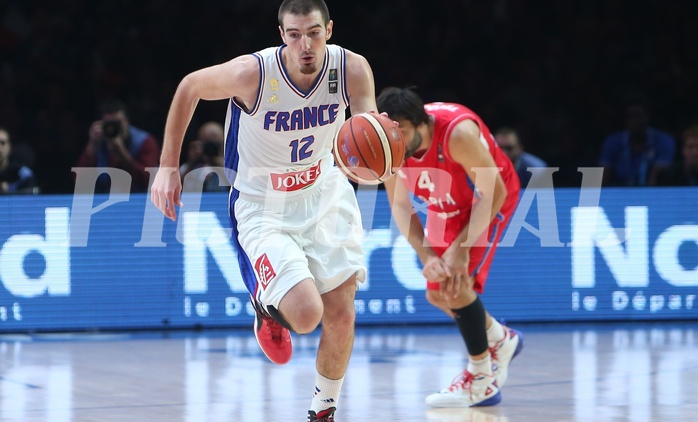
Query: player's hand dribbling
(386, 115)
(166, 191)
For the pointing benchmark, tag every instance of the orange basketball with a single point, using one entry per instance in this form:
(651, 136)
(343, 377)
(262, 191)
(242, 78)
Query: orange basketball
(369, 148)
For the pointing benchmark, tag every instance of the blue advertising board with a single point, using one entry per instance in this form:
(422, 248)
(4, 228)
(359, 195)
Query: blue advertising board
(114, 262)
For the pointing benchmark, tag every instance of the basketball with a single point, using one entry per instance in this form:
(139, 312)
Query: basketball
(369, 148)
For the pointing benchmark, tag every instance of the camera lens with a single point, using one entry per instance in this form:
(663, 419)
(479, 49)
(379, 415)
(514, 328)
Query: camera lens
(111, 128)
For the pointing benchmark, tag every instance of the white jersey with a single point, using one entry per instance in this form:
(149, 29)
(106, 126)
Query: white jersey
(282, 146)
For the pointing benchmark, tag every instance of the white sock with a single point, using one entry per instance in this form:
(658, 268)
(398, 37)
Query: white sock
(495, 333)
(482, 366)
(326, 393)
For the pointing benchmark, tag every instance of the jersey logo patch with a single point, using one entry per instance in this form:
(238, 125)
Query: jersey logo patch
(265, 272)
(333, 81)
(295, 180)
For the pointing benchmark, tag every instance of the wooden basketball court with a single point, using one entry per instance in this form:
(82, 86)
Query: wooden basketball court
(621, 372)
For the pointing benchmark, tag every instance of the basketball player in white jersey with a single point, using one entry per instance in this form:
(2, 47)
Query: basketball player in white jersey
(295, 219)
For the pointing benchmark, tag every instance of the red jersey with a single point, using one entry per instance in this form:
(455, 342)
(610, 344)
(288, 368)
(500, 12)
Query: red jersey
(443, 184)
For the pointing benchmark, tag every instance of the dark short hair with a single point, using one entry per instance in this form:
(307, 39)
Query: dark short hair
(112, 105)
(303, 8)
(506, 130)
(637, 99)
(402, 104)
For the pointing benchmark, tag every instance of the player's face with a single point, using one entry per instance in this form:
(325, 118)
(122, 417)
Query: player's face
(637, 119)
(306, 37)
(413, 138)
(4, 145)
(690, 151)
(510, 145)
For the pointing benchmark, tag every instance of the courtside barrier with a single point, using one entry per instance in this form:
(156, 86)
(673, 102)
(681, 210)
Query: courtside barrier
(113, 262)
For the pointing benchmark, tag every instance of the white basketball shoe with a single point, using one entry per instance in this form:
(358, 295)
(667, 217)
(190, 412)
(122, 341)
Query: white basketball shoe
(503, 352)
(467, 390)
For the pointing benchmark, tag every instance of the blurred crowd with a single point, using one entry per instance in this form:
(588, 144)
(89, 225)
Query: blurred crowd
(566, 78)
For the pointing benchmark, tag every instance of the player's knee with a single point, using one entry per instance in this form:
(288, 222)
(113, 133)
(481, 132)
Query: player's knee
(435, 298)
(306, 326)
(341, 317)
(302, 308)
(340, 313)
(308, 317)
(306, 323)
(464, 298)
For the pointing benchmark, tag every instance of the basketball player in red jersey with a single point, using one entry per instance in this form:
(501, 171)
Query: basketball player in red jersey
(471, 190)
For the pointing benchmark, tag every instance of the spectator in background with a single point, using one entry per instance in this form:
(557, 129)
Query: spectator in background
(195, 159)
(684, 172)
(633, 156)
(205, 152)
(509, 141)
(114, 142)
(15, 177)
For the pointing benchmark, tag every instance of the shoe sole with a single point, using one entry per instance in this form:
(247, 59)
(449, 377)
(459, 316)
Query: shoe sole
(456, 403)
(491, 401)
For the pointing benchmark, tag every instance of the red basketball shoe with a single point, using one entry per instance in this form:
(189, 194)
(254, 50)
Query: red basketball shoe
(273, 338)
(326, 415)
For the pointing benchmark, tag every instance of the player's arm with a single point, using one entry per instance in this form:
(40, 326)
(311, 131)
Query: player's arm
(467, 149)
(411, 227)
(238, 78)
(361, 87)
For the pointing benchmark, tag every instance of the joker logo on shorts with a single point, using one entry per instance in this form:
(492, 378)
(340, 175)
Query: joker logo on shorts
(265, 272)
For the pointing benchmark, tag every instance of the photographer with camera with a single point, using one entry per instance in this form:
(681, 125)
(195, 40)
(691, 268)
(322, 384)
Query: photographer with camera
(15, 176)
(205, 153)
(114, 142)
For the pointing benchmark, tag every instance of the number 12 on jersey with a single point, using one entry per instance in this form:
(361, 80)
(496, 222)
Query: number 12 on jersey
(300, 148)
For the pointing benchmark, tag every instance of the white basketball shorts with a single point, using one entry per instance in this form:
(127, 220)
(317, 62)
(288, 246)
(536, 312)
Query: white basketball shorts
(316, 236)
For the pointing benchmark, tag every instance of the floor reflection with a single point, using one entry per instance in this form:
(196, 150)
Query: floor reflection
(634, 372)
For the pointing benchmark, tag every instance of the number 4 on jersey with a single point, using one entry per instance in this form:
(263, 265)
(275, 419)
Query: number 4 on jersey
(425, 182)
